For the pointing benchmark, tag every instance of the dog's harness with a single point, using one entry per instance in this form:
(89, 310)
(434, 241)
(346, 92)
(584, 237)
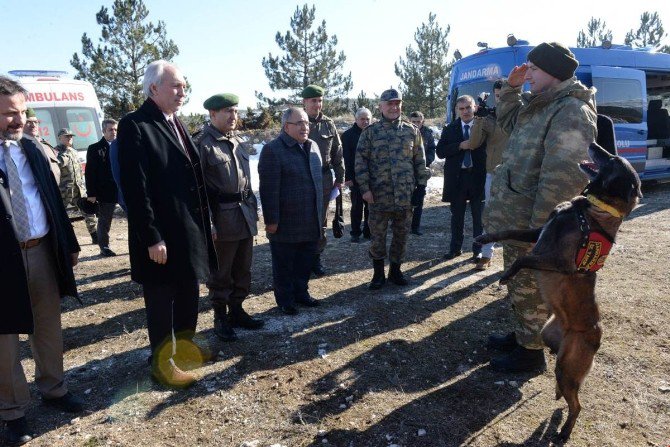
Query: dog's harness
(596, 245)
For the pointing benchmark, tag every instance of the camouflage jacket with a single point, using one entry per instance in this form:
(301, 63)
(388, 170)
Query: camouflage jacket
(322, 131)
(71, 177)
(549, 135)
(390, 163)
(485, 130)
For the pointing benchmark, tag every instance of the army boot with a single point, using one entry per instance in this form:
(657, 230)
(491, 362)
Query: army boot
(237, 317)
(396, 276)
(222, 327)
(378, 279)
(520, 360)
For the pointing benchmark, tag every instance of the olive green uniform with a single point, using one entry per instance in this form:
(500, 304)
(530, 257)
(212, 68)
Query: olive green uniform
(72, 185)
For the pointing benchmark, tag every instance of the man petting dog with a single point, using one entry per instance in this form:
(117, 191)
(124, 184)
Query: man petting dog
(550, 129)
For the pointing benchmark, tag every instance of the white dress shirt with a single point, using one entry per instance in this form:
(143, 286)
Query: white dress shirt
(37, 216)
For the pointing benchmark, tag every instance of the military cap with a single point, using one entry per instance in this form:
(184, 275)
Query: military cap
(30, 113)
(220, 101)
(312, 91)
(65, 131)
(555, 59)
(391, 95)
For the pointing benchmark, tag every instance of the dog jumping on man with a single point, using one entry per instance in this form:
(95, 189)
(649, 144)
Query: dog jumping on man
(569, 248)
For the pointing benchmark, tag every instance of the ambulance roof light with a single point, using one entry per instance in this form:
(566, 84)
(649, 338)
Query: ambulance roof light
(53, 73)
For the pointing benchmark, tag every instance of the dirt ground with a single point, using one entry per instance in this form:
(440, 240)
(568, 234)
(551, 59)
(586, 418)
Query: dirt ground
(398, 367)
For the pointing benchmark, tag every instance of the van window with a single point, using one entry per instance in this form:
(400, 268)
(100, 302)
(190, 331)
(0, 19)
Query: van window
(620, 99)
(473, 89)
(47, 128)
(82, 122)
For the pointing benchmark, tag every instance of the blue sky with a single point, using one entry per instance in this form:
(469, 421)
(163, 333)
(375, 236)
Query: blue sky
(223, 42)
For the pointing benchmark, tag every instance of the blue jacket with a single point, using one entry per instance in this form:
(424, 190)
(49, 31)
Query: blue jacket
(116, 171)
(291, 189)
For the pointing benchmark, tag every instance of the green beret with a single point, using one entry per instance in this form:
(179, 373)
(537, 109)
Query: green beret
(221, 101)
(554, 59)
(30, 113)
(312, 91)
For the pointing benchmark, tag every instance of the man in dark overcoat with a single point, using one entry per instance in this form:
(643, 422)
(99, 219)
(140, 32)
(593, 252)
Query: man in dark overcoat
(38, 249)
(464, 175)
(169, 237)
(291, 189)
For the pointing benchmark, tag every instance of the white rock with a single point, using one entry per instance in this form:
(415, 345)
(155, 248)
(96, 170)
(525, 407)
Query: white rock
(321, 433)
(343, 406)
(421, 432)
(664, 388)
(513, 383)
(501, 382)
(254, 443)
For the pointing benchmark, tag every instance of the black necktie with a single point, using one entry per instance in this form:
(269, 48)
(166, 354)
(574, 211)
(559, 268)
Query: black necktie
(176, 133)
(467, 158)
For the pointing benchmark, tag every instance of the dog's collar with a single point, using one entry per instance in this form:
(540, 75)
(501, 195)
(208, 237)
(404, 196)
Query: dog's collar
(603, 206)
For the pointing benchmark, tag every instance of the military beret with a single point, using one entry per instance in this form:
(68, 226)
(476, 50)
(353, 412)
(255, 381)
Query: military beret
(391, 95)
(30, 113)
(312, 91)
(220, 101)
(555, 59)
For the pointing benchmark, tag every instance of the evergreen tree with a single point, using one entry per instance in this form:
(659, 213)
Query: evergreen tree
(425, 71)
(128, 43)
(649, 34)
(596, 32)
(363, 101)
(310, 57)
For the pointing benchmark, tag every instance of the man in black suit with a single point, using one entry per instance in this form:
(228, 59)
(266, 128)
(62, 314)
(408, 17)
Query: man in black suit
(169, 237)
(464, 175)
(100, 183)
(291, 190)
(38, 249)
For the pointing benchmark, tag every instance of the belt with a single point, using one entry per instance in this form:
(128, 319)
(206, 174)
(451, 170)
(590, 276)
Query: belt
(30, 243)
(234, 197)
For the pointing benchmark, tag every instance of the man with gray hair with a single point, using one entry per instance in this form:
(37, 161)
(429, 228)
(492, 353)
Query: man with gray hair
(359, 207)
(169, 237)
(291, 187)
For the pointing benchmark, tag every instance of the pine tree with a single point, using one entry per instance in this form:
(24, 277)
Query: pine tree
(362, 100)
(425, 71)
(310, 57)
(649, 34)
(128, 43)
(596, 32)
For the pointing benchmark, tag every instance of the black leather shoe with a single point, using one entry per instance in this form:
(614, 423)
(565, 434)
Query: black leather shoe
(355, 239)
(288, 310)
(107, 252)
(67, 403)
(417, 232)
(239, 318)
(520, 360)
(505, 342)
(223, 329)
(17, 432)
(307, 302)
(453, 254)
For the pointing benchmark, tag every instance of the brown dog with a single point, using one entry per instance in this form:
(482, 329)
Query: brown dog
(569, 248)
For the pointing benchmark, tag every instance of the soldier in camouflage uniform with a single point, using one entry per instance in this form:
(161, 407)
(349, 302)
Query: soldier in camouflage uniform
(322, 130)
(390, 169)
(72, 181)
(550, 130)
(234, 214)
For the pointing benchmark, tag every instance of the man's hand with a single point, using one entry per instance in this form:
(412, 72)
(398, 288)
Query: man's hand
(368, 197)
(337, 185)
(465, 145)
(271, 228)
(91, 199)
(74, 257)
(517, 75)
(158, 253)
(349, 183)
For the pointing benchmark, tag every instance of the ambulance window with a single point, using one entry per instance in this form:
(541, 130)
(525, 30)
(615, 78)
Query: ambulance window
(82, 123)
(47, 130)
(620, 99)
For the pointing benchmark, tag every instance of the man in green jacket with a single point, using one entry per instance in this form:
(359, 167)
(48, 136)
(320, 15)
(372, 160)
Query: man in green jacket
(550, 130)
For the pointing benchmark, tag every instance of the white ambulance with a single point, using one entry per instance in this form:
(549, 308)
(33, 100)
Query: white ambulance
(60, 102)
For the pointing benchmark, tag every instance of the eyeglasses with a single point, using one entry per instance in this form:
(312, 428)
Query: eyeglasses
(299, 123)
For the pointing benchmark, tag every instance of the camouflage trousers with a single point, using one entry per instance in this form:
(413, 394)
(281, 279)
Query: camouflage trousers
(378, 221)
(70, 197)
(528, 306)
